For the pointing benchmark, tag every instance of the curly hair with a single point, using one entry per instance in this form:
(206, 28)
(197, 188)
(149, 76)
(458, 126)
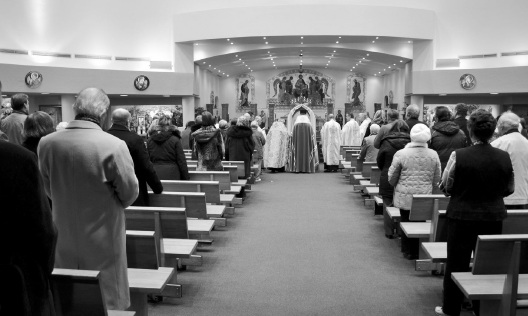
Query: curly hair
(481, 125)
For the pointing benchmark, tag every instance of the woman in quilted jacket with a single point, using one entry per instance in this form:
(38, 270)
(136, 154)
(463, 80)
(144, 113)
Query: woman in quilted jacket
(208, 145)
(414, 170)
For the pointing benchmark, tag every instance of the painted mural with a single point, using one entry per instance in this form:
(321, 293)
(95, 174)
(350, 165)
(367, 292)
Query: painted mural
(300, 86)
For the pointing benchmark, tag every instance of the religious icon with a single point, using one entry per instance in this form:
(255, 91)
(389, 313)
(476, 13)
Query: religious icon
(468, 81)
(141, 83)
(33, 79)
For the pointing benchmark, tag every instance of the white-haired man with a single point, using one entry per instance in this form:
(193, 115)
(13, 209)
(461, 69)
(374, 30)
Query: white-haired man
(516, 145)
(89, 176)
(412, 113)
(364, 125)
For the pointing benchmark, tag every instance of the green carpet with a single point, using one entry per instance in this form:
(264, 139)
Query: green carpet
(303, 244)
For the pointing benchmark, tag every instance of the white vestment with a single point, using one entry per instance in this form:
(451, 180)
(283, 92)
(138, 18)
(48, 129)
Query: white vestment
(350, 135)
(331, 139)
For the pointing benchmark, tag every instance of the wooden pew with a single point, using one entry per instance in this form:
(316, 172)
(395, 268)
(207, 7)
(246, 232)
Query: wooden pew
(194, 203)
(172, 234)
(422, 209)
(141, 282)
(223, 177)
(145, 252)
(436, 249)
(342, 149)
(78, 293)
(499, 276)
(210, 188)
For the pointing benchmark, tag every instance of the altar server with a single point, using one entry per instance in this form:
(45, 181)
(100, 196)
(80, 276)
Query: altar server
(351, 135)
(331, 139)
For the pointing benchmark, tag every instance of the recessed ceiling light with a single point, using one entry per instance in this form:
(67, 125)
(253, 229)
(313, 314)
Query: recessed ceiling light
(240, 59)
(384, 69)
(334, 51)
(389, 67)
(442, 94)
(48, 93)
(375, 75)
(302, 37)
(232, 43)
(124, 95)
(401, 61)
(409, 42)
(223, 73)
(243, 62)
(373, 41)
(354, 67)
(214, 68)
(360, 61)
(377, 37)
(219, 70)
(209, 65)
(266, 43)
(236, 55)
(363, 57)
(394, 64)
(339, 36)
(228, 75)
(368, 54)
(379, 72)
(264, 37)
(337, 42)
(302, 43)
(204, 62)
(228, 39)
(494, 93)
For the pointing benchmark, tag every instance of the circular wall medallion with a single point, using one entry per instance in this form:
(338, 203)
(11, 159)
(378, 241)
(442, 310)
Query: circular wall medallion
(142, 83)
(33, 79)
(468, 81)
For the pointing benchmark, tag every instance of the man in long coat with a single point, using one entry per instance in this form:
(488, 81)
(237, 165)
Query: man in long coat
(89, 176)
(331, 139)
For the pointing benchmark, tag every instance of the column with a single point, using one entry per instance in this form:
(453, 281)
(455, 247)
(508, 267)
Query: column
(188, 109)
(67, 101)
(184, 58)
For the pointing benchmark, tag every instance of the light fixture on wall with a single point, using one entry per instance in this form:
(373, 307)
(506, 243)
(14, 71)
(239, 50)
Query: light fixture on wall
(123, 95)
(494, 93)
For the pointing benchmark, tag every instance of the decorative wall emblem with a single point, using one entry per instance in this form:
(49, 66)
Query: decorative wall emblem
(468, 81)
(141, 83)
(33, 79)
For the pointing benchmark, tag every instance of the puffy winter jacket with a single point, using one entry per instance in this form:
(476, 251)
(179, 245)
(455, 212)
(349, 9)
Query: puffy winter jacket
(390, 144)
(166, 153)
(208, 148)
(414, 170)
(446, 137)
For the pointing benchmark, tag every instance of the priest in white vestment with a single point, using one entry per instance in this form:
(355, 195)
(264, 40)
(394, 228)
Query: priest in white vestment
(303, 148)
(276, 148)
(350, 135)
(331, 140)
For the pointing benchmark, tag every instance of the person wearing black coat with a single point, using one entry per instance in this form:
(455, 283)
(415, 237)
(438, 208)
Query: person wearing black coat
(394, 140)
(27, 234)
(143, 168)
(446, 136)
(166, 152)
(461, 111)
(239, 144)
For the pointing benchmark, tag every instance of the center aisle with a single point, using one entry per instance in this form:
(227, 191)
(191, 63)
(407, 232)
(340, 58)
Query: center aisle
(303, 244)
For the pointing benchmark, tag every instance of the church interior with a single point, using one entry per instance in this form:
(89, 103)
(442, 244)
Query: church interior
(294, 243)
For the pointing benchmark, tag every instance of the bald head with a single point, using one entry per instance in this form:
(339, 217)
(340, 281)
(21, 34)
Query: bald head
(91, 102)
(120, 116)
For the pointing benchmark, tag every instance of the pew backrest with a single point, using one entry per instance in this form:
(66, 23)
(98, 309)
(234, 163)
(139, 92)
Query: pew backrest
(77, 292)
(193, 202)
(241, 169)
(233, 172)
(210, 188)
(367, 167)
(142, 250)
(494, 252)
(424, 205)
(167, 222)
(223, 177)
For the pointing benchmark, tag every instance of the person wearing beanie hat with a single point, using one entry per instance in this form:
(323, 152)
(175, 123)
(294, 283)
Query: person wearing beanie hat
(414, 170)
(369, 153)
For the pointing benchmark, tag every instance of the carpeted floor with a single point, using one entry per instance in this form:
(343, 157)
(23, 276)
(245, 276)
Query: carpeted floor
(303, 244)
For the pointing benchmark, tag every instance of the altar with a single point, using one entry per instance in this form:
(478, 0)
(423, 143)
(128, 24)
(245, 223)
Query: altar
(278, 111)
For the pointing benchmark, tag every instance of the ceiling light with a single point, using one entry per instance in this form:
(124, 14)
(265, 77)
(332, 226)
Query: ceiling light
(264, 37)
(367, 54)
(302, 37)
(240, 59)
(401, 61)
(375, 75)
(124, 95)
(196, 44)
(389, 67)
(384, 69)
(204, 62)
(409, 42)
(228, 39)
(219, 70)
(228, 75)
(373, 41)
(232, 43)
(363, 57)
(48, 93)
(268, 52)
(243, 62)
(301, 43)
(377, 37)
(339, 36)
(223, 73)
(442, 94)
(329, 61)
(494, 93)
(334, 51)
(394, 64)
(337, 42)
(272, 59)
(236, 55)
(266, 43)
(379, 72)
(326, 67)
(209, 65)
(360, 61)
(354, 67)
